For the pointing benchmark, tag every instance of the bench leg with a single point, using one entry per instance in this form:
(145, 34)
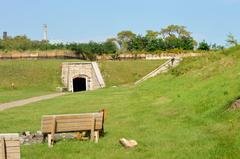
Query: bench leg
(92, 135)
(50, 140)
(96, 136)
(93, 128)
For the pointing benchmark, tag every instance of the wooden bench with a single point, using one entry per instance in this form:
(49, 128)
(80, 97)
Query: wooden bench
(92, 122)
(9, 146)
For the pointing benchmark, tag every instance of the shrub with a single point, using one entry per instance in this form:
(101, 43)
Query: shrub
(204, 46)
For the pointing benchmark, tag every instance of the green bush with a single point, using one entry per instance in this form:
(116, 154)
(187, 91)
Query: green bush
(204, 46)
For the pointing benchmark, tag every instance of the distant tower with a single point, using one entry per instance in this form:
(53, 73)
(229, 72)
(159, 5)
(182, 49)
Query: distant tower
(4, 35)
(45, 32)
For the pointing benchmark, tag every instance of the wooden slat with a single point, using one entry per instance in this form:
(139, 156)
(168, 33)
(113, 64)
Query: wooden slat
(12, 143)
(100, 116)
(17, 153)
(74, 122)
(11, 136)
(70, 129)
(13, 156)
(98, 122)
(70, 126)
(13, 149)
(71, 121)
(66, 116)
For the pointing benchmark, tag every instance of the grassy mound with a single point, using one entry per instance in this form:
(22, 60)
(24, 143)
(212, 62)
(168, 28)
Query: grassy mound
(126, 72)
(29, 78)
(181, 114)
(38, 77)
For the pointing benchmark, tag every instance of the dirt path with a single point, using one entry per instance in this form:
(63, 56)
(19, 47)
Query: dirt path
(23, 102)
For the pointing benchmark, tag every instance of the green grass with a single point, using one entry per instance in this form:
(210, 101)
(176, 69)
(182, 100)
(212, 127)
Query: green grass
(39, 77)
(30, 78)
(181, 114)
(126, 72)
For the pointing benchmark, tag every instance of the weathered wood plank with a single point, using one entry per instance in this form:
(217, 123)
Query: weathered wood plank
(70, 129)
(11, 136)
(72, 125)
(3, 148)
(97, 123)
(11, 146)
(65, 116)
(12, 143)
(71, 120)
(13, 156)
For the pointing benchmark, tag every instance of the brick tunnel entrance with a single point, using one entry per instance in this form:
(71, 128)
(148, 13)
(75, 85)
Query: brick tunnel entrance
(79, 84)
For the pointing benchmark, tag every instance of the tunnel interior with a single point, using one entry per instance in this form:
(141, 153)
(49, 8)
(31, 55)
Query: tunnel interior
(79, 84)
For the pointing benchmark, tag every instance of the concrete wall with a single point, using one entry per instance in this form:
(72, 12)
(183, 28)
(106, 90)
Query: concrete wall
(87, 70)
(69, 54)
(39, 55)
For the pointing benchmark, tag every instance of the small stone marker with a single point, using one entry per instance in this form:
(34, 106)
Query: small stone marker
(128, 143)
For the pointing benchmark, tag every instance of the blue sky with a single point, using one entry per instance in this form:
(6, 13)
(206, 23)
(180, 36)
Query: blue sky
(79, 20)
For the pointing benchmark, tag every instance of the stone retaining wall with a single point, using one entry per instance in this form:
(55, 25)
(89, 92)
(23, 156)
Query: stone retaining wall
(72, 55)
(149, 56)
(39, 55)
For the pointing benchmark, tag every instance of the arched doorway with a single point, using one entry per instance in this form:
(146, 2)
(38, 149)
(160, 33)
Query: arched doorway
(79, 84)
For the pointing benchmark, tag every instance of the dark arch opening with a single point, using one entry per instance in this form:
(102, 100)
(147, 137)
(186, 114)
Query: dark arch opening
(79, 84)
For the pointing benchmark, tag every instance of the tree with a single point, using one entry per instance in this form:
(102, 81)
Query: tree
(1, 46)
(151, 34)
(204, 46)
(231, 40)
(19, 43)
(172, 42)
(156, 44)
(124, 37)
(216, 47)
(175, 31)
(187, 43)
(109, 47)
(138, 43)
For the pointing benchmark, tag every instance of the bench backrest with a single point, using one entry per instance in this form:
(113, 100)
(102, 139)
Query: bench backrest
(9, 146)
(72, 122)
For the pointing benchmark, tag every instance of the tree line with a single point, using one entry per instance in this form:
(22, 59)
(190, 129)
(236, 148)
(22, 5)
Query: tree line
(23, 43)
(173, 37)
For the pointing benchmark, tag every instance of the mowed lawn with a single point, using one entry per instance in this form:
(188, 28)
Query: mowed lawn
(183, 114)
(21, 79)
(127, 72)
(24, 78)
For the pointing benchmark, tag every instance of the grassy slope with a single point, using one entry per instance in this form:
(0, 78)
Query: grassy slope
(31, 78)
(181, 114)
(124, 72)
(38, 77)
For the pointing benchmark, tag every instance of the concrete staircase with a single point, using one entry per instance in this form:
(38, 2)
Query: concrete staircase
(161, 69)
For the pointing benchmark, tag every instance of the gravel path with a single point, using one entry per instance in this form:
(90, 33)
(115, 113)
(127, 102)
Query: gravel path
(23, 102)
